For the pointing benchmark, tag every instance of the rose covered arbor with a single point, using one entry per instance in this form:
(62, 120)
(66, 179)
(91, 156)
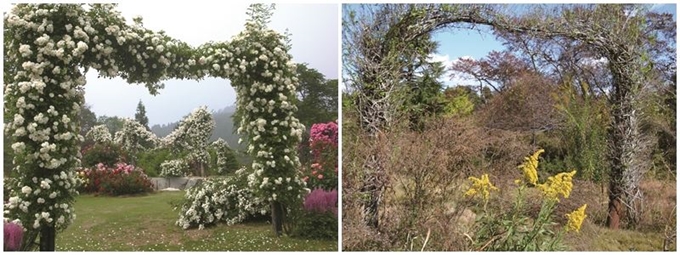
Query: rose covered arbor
(49, 47)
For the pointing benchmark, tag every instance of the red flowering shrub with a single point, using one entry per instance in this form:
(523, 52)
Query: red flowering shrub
(323, 172)
(123, 179)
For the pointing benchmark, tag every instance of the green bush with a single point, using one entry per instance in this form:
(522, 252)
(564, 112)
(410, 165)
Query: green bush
(7, 185)
(317, 225)
(106, 153)
(151, 161)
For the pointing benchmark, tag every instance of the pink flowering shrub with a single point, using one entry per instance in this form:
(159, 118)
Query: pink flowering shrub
(13, 235)
(323, 172)
(324, 133)
(122, 179)
(322, 201)
(320, 215)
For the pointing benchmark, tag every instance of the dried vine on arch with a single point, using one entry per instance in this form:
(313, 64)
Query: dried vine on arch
(612, 32)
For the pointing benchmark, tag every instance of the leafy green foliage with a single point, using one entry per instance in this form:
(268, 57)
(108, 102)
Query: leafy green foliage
(586, 122)
(459, 101)
(317, 226)
(113, 123)
(150, 161)
(318, 96)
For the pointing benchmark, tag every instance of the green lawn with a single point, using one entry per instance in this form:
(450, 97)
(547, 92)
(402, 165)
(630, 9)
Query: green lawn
(146, 223)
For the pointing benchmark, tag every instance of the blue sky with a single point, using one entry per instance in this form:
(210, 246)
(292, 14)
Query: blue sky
(466, 43)
(315, 40)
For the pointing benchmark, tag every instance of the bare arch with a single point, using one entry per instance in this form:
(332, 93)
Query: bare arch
(612, 31)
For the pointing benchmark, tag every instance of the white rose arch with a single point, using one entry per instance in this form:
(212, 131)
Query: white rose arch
(47, 47)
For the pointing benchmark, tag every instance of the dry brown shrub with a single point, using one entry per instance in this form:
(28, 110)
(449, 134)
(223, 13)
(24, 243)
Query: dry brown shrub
(427, 173)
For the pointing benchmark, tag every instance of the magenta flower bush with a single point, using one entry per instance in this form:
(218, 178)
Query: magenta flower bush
(322, 201)
(320, 215)
(13, 236)
(326, 133)
(323, 172)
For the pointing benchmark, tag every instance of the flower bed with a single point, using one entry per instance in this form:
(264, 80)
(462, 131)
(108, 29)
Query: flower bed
(123, 179)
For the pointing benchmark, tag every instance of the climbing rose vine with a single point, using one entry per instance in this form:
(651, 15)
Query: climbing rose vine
(192, 134)
(222, 153)
(99, 134)
(174, 168)
(47, 46)
(134, 137)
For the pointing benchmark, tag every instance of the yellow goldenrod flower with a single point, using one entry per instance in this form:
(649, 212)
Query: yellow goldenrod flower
(482, 186)
(530, 167)
(576, 218)
(558, 184)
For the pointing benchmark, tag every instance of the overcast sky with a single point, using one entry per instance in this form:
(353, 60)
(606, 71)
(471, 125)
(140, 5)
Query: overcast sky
(314, 29)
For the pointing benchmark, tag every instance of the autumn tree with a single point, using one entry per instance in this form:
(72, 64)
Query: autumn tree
(497, 70)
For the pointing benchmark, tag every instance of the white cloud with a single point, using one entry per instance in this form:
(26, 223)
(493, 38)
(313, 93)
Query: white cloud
(593, 61)
(448, 79)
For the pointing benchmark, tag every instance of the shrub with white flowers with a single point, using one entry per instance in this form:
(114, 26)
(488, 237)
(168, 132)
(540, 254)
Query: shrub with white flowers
(174, 168)
(46, 49)
(191, 135)
(220, 200)
(225, 161)
(99, 134)
(134, 137)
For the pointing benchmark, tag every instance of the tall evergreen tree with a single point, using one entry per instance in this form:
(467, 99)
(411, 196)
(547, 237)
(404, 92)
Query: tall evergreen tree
(140, 115)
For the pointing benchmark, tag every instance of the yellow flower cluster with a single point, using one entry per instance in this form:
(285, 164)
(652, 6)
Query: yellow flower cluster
(83, 179)
(530, 167)
(558, 184)
(481, 186)
(576, 218)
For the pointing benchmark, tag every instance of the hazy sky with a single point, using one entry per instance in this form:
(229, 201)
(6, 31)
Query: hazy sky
(314, 29)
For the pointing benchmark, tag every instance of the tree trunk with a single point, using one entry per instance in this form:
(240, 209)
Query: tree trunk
(202, 169)
(615, 209)
(277, 217)
(47, 238)
(627, 152)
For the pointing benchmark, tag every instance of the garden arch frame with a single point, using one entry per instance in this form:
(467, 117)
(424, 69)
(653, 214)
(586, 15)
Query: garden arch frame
(46, 44)
(608, 29)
